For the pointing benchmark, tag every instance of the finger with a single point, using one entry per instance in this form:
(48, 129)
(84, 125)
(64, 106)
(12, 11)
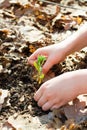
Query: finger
(42, 101)
(56, 106)
(38, 94)
(47, 105)
(31, 62)
(48, 64)
(34, 56)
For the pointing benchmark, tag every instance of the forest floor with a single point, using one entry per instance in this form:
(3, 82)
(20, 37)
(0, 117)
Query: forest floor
(24, 27)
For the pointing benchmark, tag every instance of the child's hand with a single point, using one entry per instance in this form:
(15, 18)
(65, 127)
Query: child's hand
(54, 54)
(57, 91)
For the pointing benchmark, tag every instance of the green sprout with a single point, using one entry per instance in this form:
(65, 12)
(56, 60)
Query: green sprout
(38, 66)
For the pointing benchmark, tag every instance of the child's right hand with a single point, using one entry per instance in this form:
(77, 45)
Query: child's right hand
(54, 54)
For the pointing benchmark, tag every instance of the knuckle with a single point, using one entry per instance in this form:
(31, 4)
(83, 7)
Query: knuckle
(48, 96)
(44, 86)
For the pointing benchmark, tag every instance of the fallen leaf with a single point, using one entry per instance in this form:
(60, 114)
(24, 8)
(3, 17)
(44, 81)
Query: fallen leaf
(3, 98)
(77, 109)
(25, 122)
(32, 48)
(31, 33)
(5, 4)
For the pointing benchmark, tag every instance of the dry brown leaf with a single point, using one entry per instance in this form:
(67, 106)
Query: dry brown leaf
(25, 7)
(51, 10)
(3, 96)
(8, 14)
(68, 22)
(77, 109)
(25, 122)
(71, 114)
(78, 20)
(31, 33)
(4, 31)
(21, 2)
(5, 4)
(32, 48)
(46, 14)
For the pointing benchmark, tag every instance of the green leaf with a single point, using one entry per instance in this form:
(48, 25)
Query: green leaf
(42, 76)
(38, 66)
(41, 60)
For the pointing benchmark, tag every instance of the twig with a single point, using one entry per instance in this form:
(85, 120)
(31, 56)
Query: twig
(64, 6)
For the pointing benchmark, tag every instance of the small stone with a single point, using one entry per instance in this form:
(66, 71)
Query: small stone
(1, 68)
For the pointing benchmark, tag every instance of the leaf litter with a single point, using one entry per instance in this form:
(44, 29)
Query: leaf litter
(24, 27)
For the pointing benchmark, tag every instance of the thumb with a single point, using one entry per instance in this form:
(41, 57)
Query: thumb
(48, 64)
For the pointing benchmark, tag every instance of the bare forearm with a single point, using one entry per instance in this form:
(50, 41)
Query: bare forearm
(80, 81)
(77, 41)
